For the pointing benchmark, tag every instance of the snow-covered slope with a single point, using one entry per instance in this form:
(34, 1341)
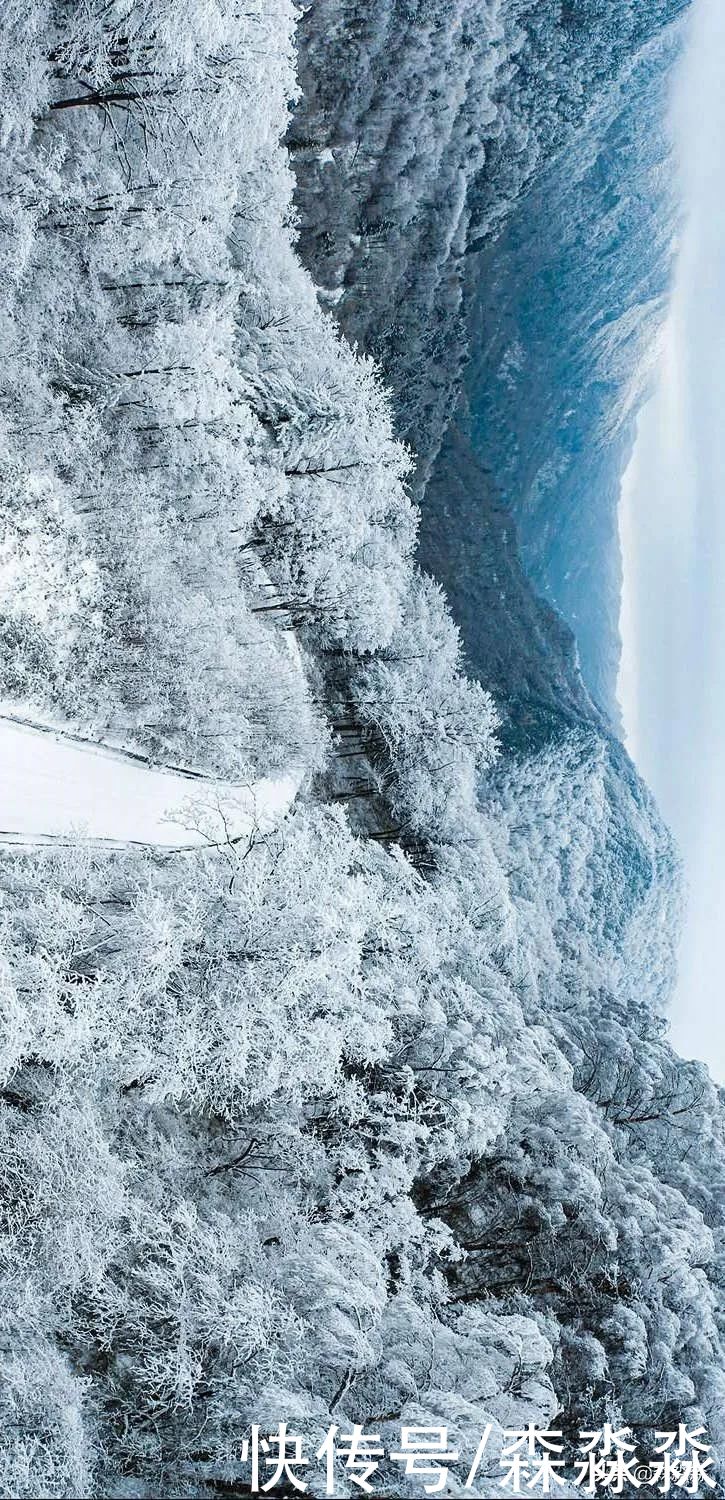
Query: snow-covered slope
(54, 787)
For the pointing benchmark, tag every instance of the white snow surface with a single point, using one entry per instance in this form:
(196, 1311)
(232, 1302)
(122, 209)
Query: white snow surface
(53, 786)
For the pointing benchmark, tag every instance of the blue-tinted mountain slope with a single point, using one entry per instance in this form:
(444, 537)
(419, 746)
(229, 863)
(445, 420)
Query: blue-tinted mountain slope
(565, 314)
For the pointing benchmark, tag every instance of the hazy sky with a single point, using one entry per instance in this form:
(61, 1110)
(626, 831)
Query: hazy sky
(672, 685)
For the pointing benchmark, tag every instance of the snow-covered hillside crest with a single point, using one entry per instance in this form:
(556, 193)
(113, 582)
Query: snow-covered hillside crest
(313, 1129)
(420, 125)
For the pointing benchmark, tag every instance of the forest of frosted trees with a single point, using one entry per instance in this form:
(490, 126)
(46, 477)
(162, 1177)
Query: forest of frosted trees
(373, 1119)
(420, 125)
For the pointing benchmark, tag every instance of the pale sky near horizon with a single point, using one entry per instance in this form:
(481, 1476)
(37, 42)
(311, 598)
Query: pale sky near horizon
(672, 527)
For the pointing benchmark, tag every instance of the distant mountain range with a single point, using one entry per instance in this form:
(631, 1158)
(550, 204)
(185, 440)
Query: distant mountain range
(565, 310)
(496, 229)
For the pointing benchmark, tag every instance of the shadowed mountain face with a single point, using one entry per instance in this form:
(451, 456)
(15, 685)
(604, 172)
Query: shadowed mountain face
(491, 182)
(517, 644)
(421, 124)
(565, 312)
